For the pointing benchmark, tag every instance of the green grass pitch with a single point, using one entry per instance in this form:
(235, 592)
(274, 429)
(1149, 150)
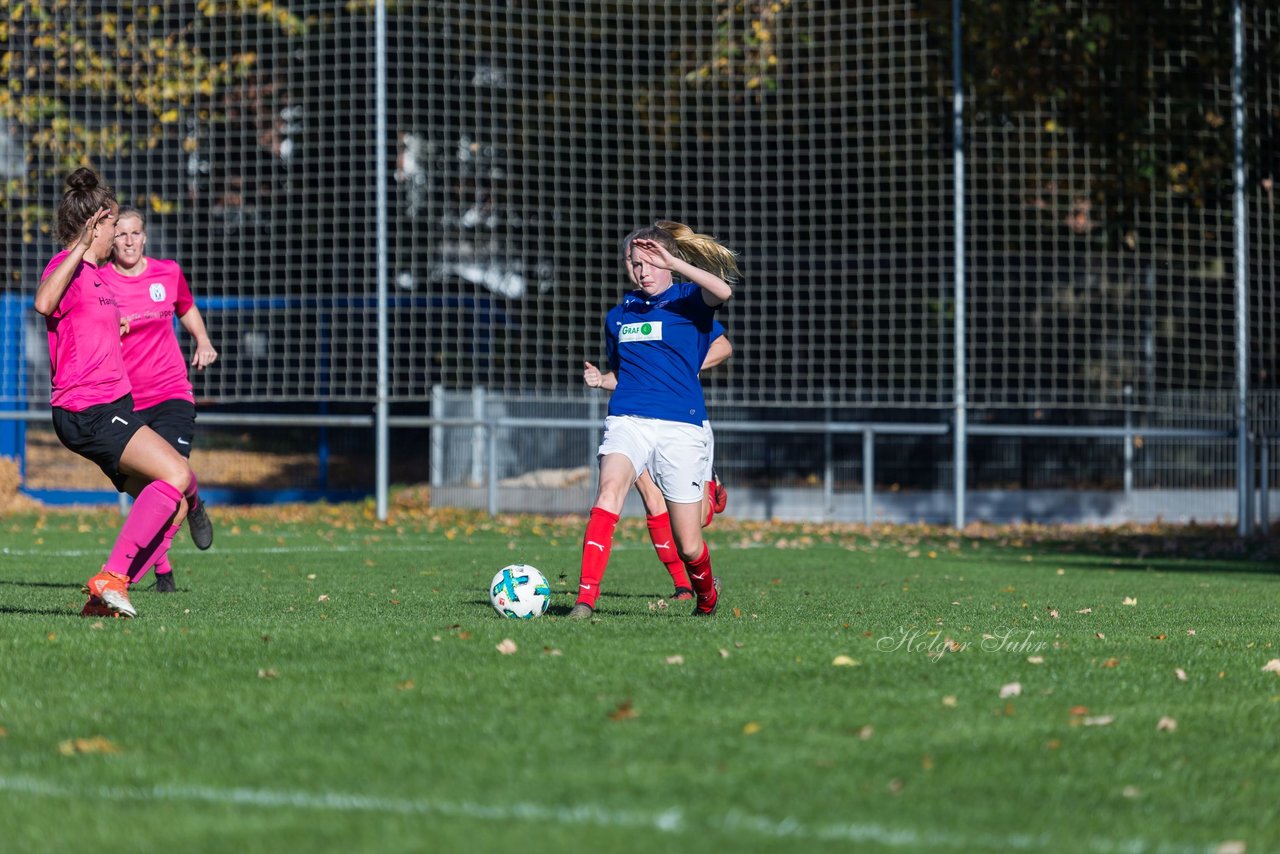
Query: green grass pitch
(322, 682)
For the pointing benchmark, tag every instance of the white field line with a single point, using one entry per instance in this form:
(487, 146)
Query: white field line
(671, 820)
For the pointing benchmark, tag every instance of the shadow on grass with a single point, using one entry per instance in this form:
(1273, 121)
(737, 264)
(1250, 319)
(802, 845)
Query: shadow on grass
(1154, 547)
(18, 583)
(38, 612)
(1155, 564)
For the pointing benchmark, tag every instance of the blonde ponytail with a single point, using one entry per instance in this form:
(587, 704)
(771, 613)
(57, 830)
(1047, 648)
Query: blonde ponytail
(702, 250)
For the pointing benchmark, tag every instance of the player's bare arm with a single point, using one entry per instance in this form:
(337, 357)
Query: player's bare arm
(53, 286)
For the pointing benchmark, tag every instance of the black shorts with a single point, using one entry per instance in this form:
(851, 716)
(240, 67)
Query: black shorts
(100, 434)
(174, 420)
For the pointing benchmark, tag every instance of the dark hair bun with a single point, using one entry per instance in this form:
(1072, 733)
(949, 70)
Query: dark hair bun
(84, 180)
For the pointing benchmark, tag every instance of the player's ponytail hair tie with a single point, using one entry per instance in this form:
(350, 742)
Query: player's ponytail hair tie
(702, 250)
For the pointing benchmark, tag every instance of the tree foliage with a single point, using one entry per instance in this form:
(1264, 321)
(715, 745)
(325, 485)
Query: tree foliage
(89, 83)
(1144, 86)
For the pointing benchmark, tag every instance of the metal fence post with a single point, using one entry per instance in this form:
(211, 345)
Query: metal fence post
(868, 473)
(1128, 440)
(959, 354)
(437, 436)
(477, 435)
(828, 478)
(491, 453)
(1264, 484)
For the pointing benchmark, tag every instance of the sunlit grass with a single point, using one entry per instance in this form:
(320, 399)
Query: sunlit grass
(325, 682)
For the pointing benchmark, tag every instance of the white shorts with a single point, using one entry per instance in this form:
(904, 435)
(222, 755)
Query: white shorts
(711, 450)
(675, 454)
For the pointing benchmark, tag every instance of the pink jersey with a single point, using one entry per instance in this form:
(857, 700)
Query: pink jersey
(152, 355)
(86, 366)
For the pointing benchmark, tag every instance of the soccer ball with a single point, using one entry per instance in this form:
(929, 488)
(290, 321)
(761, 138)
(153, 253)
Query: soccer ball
(520, 592)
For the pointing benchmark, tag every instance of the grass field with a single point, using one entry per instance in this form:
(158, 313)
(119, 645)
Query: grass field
(322, 682)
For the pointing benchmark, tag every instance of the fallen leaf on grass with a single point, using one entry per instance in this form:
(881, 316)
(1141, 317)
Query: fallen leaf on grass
(265, 673)
(1230, 846)
(949, 701)
(724, 653)
(1272, 666)
(737, 613)
(552, 651)
(1013, 689)
(1035, 659)
(866, 732)
(751, 728)
(1053, 613)
(675, 659)
(1099, 720)
(97, 744)
(323, 597)
(406, 685)
(1111, 662)
(1129, 600)
(625, 711)
(1085, 611)
(1180, 674)
(507, 647)
(4, 733)
(844, 661)
(1166, 724)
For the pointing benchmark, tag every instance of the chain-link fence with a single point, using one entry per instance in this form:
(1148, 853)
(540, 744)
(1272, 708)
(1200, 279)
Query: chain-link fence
(522, 140)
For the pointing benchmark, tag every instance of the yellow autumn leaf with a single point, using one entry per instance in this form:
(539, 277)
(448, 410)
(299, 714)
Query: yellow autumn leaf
(97, 744)
(751, 728)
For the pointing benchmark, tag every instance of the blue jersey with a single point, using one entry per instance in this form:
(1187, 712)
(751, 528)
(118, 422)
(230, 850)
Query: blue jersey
(656, 346)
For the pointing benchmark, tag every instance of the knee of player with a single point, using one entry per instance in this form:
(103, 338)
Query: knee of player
(179, 477)
(690, 552)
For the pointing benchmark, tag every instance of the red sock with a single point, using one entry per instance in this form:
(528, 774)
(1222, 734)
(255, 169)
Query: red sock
(596, 545)
(144, 528)
(704, 583)
(664, 545)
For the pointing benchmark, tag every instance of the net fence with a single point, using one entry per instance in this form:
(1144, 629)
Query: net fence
(526, 138)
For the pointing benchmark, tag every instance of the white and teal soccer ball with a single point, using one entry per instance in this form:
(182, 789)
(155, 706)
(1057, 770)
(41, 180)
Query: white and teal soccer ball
(520, 592)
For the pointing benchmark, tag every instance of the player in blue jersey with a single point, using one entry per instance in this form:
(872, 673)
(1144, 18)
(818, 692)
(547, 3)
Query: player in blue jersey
(655, 505)
(657, 340)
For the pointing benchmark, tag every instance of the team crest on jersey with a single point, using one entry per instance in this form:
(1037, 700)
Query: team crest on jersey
(156, 290)
(646, 331)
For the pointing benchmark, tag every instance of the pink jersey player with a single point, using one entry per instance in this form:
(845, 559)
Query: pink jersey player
(149, 302)
(92, 408)
(151, 293)
(86, 367)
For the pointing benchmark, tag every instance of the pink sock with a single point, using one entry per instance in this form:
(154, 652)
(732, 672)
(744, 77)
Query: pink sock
(144, 529)
(159, 558)
(190, 493)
